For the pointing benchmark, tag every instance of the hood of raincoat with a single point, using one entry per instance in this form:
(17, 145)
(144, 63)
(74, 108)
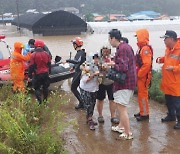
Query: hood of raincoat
(142, 37)
(18, 47)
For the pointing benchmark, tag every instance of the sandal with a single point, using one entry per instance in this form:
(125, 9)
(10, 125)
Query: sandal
(91, 125)
(95, 123)
(126, 137)
(117, 129)
(115, 120)
(100, 119)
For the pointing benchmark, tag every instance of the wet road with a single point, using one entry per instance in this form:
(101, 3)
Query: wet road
(150, 137)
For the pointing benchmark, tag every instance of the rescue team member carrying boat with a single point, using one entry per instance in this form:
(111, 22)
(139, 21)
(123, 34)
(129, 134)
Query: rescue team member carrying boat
(79, 58)
(40, 65)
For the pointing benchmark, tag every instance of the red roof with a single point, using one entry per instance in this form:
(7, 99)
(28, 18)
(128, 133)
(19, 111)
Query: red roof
(98, 18)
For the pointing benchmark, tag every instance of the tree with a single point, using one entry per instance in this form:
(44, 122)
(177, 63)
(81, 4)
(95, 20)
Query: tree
(89, 17)
(98, 6)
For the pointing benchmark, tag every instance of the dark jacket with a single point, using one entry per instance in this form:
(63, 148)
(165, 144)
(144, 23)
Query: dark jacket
(79, 58)
(47, 50)
(40, 62)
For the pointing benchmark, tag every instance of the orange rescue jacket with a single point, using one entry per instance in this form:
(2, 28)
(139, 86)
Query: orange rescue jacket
(17, 62)
(170, 83)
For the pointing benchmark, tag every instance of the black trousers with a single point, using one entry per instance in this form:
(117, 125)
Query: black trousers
(89, 99)
(75, 85)
(41, 81)
(173, 105)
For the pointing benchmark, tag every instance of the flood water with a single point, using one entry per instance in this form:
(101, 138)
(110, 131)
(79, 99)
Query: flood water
(61, 45)
(150, 137)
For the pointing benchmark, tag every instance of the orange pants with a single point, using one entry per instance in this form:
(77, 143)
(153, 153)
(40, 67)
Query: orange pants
(143, 96)
(18, 85)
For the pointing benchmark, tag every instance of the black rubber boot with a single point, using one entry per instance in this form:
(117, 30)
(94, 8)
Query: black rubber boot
(137, 114)
(177, 126)
(38, 95)
(142, 118)
(168, 118)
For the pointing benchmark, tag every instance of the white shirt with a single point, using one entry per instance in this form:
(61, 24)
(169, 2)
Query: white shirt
(91, 85)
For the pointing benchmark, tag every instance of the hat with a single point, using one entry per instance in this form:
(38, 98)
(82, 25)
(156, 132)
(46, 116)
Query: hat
(95, 56)
(170, 33)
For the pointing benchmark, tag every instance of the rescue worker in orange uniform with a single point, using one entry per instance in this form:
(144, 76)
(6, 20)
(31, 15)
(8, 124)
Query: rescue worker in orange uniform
(17, 67)
(144, 58)
(170, 83)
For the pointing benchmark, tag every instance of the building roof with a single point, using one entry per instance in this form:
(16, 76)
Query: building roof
(96, 14)
(118, 15)
(57, 21)
(28, 20)
(112, 17)
(98, 18)
(144, 15)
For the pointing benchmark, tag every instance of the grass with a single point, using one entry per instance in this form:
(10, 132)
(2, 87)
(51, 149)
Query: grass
(26, 127)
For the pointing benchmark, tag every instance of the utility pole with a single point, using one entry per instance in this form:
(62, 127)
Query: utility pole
(2, 16)
(17, 9)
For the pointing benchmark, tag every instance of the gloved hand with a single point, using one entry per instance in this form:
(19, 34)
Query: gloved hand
(159, 60)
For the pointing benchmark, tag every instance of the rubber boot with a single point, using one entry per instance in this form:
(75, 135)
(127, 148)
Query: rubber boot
(137, 114)
(168, 118)
(177, 126)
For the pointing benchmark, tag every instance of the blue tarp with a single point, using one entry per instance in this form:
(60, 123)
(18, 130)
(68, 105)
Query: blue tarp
(144, 15)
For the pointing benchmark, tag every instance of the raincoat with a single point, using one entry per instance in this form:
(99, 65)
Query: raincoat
(170, 83)
(144, 59)
(17, 67)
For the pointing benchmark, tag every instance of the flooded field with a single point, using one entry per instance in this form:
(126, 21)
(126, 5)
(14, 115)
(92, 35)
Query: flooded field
(61, 45)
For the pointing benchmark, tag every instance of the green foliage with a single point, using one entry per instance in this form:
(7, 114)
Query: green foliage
(26, 127)
(155, 92)
(91, 6)
(89, 17)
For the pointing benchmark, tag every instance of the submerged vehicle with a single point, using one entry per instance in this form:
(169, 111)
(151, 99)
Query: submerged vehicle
(59, 71)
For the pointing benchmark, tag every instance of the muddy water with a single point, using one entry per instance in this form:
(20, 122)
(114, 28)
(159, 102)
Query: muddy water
(149, 137)
(61, 45)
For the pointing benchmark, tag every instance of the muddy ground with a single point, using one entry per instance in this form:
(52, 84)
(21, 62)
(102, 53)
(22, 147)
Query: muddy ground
(150, 137)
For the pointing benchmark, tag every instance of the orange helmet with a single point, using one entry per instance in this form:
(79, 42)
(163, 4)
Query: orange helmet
(78, 41)
(39, 43)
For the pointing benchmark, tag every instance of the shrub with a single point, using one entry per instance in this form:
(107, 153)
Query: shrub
(26, 127)
(155, 92)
